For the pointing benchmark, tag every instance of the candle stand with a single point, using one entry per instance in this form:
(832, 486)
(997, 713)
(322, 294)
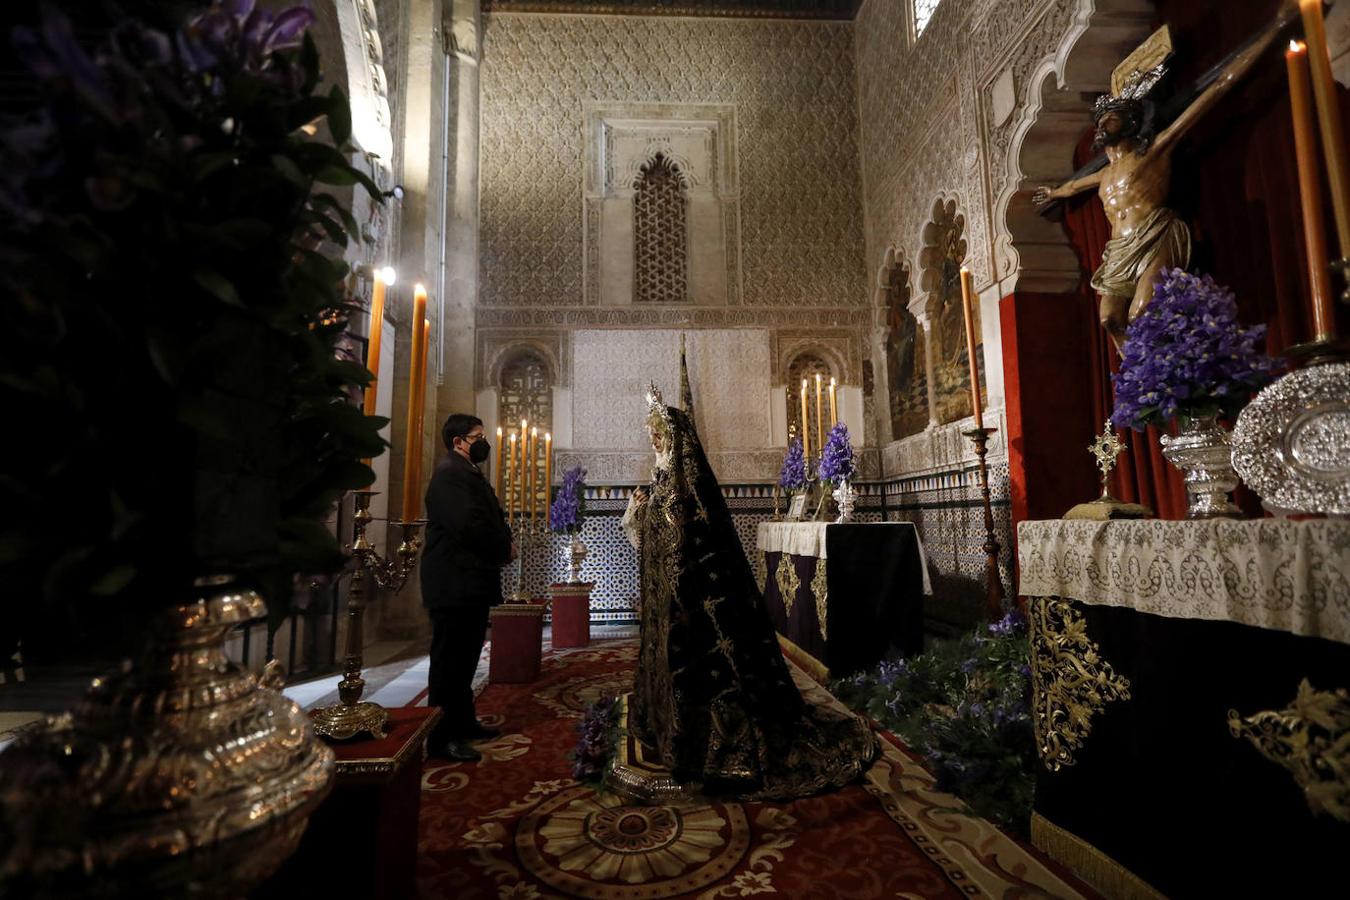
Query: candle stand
(352, 716)
(524, 533)
(994, 593)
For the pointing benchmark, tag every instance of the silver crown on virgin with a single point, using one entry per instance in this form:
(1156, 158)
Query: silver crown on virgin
(1136, 87)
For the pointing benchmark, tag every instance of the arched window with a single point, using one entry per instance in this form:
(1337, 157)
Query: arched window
(526, 392)
(807, 365)
(660, 236)
(923, 12)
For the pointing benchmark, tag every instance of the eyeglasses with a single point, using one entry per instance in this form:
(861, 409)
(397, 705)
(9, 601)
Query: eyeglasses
(472, 438)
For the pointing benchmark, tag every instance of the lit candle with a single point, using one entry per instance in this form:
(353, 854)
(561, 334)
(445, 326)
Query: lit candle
(548, 472)
(834, 413)
(511, 482)
(534, 473)
(1329, 117)
(820, 416)
(1309, 188)
(806, 428)
(416, 372)
(497, 467)
(520, 469)
(967, 303)
(423, 355)
(373, 344)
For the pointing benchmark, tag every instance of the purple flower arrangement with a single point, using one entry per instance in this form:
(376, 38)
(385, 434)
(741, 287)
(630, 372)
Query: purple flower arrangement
(793, 476)
(1187, 356)
(596, 740)
(836, 461)
(569, 506)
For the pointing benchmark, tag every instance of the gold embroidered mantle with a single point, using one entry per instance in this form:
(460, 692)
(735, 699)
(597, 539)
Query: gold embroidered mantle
(788, 582)
(1070, 682)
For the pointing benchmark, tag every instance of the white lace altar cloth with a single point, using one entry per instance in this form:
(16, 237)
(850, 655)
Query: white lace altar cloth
(808, 539)
(1279, 574)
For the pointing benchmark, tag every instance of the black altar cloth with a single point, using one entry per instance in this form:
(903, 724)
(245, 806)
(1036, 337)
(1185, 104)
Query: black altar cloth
(874, 596)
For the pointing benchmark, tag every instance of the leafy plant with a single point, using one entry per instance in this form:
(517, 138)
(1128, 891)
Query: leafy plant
(1186, 355)
(568, 510)
(175, 314)
(964, 705)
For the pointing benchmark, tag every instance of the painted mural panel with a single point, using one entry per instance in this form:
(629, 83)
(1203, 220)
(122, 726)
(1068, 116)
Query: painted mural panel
(943, 255)
(906, 360)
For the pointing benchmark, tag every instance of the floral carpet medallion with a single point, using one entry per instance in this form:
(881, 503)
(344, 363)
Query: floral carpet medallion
(516, 825)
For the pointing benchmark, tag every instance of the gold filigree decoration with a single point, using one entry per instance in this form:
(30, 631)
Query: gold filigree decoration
(762, 571)
(1310, 738)
(1070, 682)
(820, 589)
(788, 582)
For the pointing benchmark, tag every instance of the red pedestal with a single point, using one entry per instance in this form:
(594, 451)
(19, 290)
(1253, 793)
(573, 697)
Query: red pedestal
(517, 643)
(368, 824)
(572, 614)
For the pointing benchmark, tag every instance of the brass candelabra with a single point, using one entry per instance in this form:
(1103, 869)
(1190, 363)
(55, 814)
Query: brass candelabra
(522, 534)
(994, 594)
(352, 716)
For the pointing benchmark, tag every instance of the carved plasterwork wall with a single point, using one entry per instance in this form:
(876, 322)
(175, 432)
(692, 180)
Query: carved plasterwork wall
(624, 140)
(799, 232)
(728, 371)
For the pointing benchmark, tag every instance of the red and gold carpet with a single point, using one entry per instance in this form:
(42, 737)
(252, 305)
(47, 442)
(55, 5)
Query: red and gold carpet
(516, 825)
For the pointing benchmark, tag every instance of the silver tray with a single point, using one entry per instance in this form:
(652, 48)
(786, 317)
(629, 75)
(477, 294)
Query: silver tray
(1292, 442)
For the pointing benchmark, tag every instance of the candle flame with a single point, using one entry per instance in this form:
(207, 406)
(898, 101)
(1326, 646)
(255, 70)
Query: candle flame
(513, 437)
(419, 288)
(817, 378)
(803, 384)
(387, 275)
(523, 423)
(831, 381)
(499, 432)
(534, 432)
(1297, 46)
(548, 436)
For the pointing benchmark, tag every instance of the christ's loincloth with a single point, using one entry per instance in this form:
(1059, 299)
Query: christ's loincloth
(1125, 258)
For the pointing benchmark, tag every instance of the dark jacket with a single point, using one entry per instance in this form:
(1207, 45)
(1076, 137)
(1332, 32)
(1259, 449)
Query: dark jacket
(468, 540)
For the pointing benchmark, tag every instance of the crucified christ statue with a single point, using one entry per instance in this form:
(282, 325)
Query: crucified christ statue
(1146, 236)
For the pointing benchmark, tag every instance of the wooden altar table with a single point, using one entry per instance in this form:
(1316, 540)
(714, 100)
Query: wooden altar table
(1190, 682)
(362, 840)
(845, 595)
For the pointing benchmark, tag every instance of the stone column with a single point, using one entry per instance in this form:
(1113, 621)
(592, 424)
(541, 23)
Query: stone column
(928, 350)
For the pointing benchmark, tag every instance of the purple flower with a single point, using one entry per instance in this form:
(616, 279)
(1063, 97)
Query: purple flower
(891, 671)
(1012, 623)
(1187, 355)
(793, 475)
(836, 460)
(568, 509)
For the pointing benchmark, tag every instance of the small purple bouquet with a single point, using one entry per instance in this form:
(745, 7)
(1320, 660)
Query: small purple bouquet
(836, 460)
(1186, 355)
(792, 478)
(569, 507)
(597, 737)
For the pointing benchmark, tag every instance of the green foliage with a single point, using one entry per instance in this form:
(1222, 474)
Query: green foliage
(180, 401)
(964, 706)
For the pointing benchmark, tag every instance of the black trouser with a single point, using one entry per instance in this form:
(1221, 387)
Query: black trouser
(457, 639)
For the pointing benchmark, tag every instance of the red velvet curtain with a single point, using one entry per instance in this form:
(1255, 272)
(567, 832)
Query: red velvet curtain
(1235, 181)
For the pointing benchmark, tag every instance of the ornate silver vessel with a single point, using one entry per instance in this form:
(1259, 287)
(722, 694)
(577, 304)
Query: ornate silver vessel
(574, 553)
(1202, 450)
(180, 774)
(1292, 442)
(844, 498)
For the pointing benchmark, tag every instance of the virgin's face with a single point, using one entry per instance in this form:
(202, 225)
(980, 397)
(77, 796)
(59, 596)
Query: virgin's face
(658, 441)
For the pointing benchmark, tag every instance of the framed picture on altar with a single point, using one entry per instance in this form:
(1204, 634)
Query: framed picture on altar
(796, 507)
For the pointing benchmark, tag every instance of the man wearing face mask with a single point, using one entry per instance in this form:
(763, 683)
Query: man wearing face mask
(468, 542)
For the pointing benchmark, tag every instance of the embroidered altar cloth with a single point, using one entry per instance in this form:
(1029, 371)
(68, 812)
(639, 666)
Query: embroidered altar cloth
(808, 539)
(1284, 575)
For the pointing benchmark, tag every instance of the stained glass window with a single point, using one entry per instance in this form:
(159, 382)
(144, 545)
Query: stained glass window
(923, 13)
(659, 233)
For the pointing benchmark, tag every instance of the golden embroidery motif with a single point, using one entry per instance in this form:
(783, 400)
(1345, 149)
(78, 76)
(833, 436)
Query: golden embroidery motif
(820, 588)
(1070, 682)
(1311, 738)
(788, 582)
(762, 571)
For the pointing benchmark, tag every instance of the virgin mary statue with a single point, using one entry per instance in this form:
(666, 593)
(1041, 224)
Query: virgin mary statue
(713, 701)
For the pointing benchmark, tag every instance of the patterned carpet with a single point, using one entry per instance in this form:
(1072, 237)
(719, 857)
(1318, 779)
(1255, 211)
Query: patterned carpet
(515, 825)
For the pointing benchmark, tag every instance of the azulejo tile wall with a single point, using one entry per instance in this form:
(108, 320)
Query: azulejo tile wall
(945, 507)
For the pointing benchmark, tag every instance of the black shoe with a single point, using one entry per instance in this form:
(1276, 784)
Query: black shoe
(481, 732)
(456, 751)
